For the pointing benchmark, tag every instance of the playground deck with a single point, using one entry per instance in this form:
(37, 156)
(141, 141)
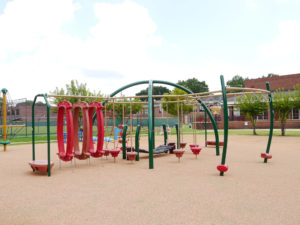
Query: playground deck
(189, 192)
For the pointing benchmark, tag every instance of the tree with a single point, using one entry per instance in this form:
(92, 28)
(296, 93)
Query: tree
(75, 88)
(283, 103)
(236, 81)
(194, 85)
(252, 106)
(156, 90)
(117, 108)
(172, 108)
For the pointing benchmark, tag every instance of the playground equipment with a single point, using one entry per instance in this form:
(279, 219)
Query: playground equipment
(196, 150)
(178, 153)
(5, 126)
(193, 97)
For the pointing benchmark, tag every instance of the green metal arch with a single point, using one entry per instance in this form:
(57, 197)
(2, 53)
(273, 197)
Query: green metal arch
(151, 121)
(48, 129)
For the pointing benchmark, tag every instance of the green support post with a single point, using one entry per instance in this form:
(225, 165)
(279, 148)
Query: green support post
(137, 142)
(48, 129)
(271, 120)
(124, 142)
(178, 135)
(225, 112)
(205, 128)
(150, 124)
(165, 134)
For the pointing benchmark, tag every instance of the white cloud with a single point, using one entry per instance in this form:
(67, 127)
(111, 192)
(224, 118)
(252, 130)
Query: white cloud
(35, 48)
(251, 4)
(283, 52)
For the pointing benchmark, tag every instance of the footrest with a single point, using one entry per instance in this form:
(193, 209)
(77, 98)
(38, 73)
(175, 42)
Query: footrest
(4, 142)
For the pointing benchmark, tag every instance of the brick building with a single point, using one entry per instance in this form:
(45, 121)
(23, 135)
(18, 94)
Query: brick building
(287, 82)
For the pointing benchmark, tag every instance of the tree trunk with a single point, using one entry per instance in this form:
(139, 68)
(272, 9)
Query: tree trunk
(254, 130)
(254, 126)
(282, 128)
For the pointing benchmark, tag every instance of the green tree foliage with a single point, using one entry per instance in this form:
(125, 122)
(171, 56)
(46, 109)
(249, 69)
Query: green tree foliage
(118, 108)
(252, 106)
(77, 89)
(283, 103)
(172, 108)
(157, 90)
(236, 81)
(194, 85)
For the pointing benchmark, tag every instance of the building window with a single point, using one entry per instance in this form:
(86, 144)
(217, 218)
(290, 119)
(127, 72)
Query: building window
(13, 112)
(17, 112)
(264, 116)
(8, 112)
(295, 114)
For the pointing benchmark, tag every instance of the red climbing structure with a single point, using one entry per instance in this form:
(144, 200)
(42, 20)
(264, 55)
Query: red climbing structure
(65, 107)
(83, 106)
(100, 127)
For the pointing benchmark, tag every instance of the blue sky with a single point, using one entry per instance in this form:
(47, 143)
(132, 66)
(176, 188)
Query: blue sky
(107, 44)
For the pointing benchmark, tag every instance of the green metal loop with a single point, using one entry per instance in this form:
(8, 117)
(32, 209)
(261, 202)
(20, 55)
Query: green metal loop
(271, 120)
(124, 141)
(225, 112)
(48, 129)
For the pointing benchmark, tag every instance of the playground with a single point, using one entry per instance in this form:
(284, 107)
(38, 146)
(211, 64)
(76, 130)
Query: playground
(189, 192)
(108, 165)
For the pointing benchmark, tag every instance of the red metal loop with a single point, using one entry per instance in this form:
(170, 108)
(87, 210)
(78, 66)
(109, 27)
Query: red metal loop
(65, 106)
(100, 127)
(83, 106)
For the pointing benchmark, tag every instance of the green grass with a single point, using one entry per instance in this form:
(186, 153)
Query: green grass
(186, 130)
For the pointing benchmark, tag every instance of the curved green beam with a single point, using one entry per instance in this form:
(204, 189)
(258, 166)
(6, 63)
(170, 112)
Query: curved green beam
(150, 125)
(150, 103)
(48, 129)
(137, 142)
(225, 112)
(271, 120)
(124, 147)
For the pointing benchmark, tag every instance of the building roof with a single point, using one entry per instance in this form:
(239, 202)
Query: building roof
(285, 81)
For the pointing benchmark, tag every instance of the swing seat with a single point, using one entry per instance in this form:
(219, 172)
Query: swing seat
(114, 152)
(178, 152)
(193, 145)
(40, 165)
(172, 144)
(222, 168)
(196, 150)
(266, 155)
(182, 145)
(131, 155)
(65, 156)
(81, 155)
(221, 143)
(106, 152)
(97, 154)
